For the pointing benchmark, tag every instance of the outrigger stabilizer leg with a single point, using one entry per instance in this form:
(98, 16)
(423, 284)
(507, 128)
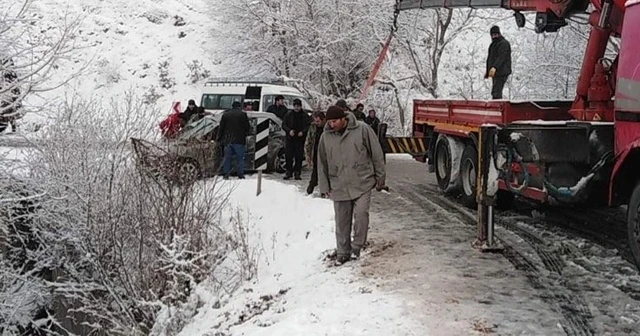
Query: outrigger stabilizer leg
(487, 190)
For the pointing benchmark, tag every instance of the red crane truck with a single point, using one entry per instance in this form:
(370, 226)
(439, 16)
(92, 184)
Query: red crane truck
(585, 151)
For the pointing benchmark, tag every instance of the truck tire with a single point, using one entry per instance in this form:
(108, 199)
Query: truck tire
(468, 175)
(633, 224)
(444, 162)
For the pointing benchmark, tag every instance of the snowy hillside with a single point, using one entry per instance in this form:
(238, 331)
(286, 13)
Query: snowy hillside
(146, 46)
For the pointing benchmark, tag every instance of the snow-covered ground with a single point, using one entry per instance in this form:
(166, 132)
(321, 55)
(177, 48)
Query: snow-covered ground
(296, 292)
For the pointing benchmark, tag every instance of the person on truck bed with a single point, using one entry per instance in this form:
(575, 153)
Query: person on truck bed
(350, 165)
(295, 124)
(279, 109)
(311, 148)
(498, 62)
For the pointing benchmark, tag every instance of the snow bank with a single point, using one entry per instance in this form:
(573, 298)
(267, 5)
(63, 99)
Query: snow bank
(295, 293)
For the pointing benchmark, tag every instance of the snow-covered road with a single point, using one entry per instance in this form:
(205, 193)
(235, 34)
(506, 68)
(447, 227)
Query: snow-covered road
(550, 280)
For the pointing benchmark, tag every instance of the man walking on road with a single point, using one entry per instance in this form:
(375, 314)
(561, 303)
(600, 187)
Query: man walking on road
(350, 165)
(295, 124)
(498, 62)
(233, 131)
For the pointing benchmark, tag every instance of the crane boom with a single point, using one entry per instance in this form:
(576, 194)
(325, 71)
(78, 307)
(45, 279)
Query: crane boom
(550, 14)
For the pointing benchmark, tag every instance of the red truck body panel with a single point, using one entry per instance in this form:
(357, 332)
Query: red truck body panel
(627, 103)
(477, 112)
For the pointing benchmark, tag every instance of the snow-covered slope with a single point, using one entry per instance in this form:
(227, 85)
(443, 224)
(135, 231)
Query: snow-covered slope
(146, 46)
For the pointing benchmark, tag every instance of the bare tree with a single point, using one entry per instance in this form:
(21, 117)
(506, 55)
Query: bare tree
(331, 44)
(425, 37)
(28, 57)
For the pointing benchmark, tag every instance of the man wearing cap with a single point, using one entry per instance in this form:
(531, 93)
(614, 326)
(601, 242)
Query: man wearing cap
(279, 109)
(232, 135)
(191, 110)
(350, 165)
(498, 62)
(295, 124)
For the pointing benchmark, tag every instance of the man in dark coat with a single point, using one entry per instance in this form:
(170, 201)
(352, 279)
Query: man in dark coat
(498, 62)
(279, 109)
(373, 121)
(343, 104)
(295, 124)
(359, 112)
(232, 134)
(191, 110)
(311, 148)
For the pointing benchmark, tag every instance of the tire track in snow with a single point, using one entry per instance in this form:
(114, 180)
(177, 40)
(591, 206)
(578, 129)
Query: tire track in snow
(570, 305)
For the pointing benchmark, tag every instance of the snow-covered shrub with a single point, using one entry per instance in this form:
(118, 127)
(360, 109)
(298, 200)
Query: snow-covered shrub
(166, 81)
(197, 72)
(90, 243)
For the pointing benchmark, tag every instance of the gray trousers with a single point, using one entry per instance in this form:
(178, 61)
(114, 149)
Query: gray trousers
(353, 213)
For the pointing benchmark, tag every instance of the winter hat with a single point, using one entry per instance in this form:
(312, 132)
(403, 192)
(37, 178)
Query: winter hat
(335, 112)
(494, 30)
(342, 103)
(297, 102)
(191, 102)
(236, 104)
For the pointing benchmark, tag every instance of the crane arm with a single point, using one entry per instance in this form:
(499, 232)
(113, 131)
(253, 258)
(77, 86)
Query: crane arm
(550, 14)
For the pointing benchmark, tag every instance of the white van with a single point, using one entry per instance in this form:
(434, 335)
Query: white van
(218, 95)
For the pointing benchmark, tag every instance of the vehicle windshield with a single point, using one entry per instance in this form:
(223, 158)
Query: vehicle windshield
(269, 100)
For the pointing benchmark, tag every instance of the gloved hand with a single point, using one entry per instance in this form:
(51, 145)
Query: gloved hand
(380, 185)
(492, 72)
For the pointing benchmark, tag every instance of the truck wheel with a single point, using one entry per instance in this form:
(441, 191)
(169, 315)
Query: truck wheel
(633, 224)
(448, 181)
(468, 175)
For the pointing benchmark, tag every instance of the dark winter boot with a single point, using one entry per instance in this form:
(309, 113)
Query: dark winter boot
(310, 190)
(355, 254)
(226, 177)
(341, 260)
(297, 176)
(287, 176)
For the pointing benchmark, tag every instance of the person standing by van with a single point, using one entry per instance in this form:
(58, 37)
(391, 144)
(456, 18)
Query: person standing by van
(232, 135)
(279, 109)
(295, 124)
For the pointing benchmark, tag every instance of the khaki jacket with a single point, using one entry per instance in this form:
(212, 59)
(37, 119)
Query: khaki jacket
(349, 163)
